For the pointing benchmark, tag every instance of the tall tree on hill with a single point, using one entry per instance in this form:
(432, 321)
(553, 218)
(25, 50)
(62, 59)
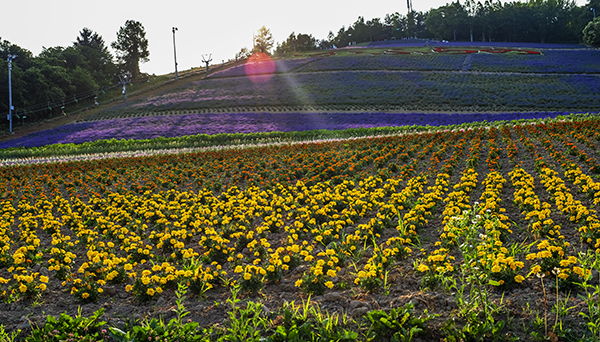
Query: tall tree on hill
(132, 47)
(263, 41)
(446, 22)
(99, 61)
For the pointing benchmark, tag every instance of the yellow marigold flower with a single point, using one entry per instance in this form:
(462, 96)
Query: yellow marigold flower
(544, 254)
(239, 269)
(43, 279)
(85, 295)
(298, 283)
(564, 263)
(42, 287)
(128, 288)
(23, 288)
(519, 278)
(496, 269)
(128, 267)
(247, 276)
(329, 284)
(536, 269)
(578, 270)
(423, 268)
(150, 292)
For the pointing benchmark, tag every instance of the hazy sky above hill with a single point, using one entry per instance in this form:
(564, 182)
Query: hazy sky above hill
(218, 27)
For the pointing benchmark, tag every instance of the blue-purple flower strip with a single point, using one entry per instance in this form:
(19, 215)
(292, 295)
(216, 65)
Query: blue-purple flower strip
(423, 42)
(183, 125)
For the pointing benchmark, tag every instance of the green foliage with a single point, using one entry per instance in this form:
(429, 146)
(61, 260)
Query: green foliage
(5, 337)
(399, 325)
(244, 324)
(475, 306)
(309, 325)
(156, 329)
(590, 261)
(296, 43)
(58, 76)
(65, 328)
(132, 47)
(591, 33)
(263, 41)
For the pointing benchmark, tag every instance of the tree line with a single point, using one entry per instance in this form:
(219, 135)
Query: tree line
(62, 76)
(541, 21)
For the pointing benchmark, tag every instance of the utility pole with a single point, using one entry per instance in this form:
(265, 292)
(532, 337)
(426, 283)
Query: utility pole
(10, 106)
(175, 51)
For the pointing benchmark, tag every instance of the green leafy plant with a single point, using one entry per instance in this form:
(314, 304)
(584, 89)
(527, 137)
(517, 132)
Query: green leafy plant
(244, 324)
(5, 337)
(398, 325)
(310, 324)
(67, 328)
(472, 298)
(590, 261)
(156, 329)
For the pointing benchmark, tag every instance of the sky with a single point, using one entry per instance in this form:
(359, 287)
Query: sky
(220, 28)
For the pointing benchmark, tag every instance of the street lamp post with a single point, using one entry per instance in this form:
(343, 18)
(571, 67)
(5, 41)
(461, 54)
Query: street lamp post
(10, 106)
(174, 51)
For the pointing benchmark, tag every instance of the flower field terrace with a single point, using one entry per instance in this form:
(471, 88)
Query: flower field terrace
(398, 91)
(550, 79)
(373, 218)
(192, 125)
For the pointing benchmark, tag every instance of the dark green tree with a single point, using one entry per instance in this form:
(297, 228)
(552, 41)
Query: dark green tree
(591, 33)
(301, 42)
(98, 60)
(447, 21)
(22, 62)
(132, 47)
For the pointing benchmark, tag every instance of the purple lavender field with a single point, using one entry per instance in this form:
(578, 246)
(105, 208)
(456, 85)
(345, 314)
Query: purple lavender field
(182, 125)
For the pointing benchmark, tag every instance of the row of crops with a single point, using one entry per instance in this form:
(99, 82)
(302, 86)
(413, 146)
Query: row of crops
(549, 61)
(351, 211)
(411, 90)
(554, 80)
